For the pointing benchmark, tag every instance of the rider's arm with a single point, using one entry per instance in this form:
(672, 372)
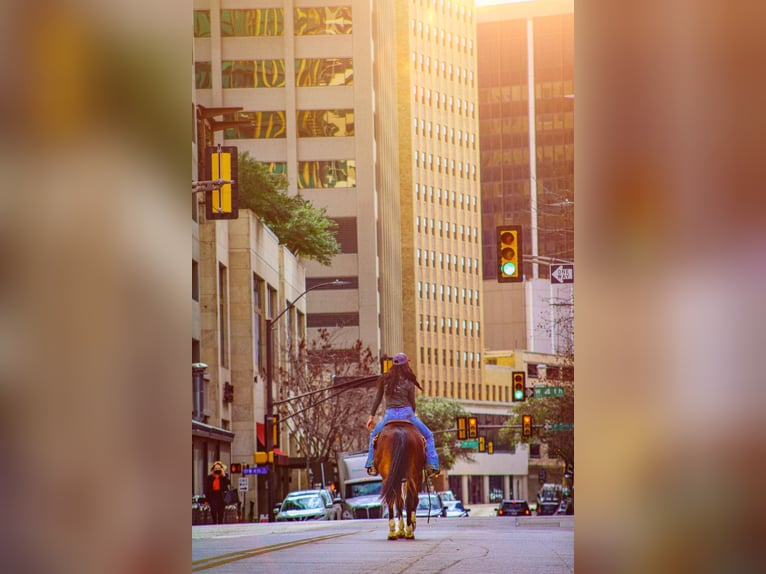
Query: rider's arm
(378, 398)
(411, 396)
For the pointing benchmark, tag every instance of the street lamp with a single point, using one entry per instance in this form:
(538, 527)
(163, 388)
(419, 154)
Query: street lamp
(269, 416)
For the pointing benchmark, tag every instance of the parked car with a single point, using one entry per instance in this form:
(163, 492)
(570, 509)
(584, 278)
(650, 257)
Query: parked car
(548, 507)
(566, 507)
(455, 509)
(430, 505)
(513, 508)
(306, 505)
(447, 495)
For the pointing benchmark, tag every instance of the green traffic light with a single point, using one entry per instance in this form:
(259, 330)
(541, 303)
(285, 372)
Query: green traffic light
(518, 394)
(508, 268)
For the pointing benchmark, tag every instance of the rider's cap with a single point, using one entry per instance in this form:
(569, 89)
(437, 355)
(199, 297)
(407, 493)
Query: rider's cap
(400, 359)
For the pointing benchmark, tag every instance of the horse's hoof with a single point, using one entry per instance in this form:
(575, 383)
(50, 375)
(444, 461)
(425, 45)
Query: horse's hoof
(410, 536)
(393, 536)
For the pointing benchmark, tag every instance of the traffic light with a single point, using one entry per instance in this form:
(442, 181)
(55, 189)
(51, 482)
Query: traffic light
(236, 467)
(482, 444)
(222, 203)
(275, 431)
(462, 432)
(490, 447)
(473, 427)
(509, 260)
(519, 393)
(385, 364)
(526, 426)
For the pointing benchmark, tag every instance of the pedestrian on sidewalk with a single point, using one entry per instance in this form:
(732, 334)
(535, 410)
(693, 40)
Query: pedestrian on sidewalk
(216, 485)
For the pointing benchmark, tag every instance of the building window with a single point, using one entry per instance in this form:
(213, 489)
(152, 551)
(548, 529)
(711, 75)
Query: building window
(322, 174)
(203, 79)
(324, 72)
(195, 280)
(202, 23)
(256, 22)
(534, 451)
(253, 73)
(259, 293)
(346, 234)
(263, 125)
(325, 123)
(333, 20)
(223, 315)
(316, 320)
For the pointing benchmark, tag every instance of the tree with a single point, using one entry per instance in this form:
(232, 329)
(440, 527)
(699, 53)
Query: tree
(333, 419)
(439, 415)
(552, 410)
(303, 228)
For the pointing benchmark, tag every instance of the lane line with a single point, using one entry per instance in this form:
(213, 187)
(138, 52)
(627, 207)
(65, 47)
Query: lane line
(221, 559)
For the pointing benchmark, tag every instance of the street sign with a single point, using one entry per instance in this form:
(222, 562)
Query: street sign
(563, 273)
(256, 470)
(244, 485)
(469, 443)
(558, 427)
(531, 392)
(544, 392)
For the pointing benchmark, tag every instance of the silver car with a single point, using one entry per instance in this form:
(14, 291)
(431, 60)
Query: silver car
(306, 505)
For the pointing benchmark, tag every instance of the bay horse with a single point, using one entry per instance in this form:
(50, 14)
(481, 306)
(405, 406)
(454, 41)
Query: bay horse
(400, 457)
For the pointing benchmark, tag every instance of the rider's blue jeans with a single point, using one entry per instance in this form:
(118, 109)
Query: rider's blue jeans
(406, 414)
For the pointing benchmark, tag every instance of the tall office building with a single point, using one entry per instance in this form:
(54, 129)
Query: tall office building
(439, 195)
(526, 109)
(371, 111)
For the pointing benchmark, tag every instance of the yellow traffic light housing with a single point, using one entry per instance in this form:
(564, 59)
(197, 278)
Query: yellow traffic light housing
(386, 363)
(518, 390)
(482, 444)
(526, 426)
(462, 431)
(490, 447)
(222, 202)
(509, 259)
(473, 427)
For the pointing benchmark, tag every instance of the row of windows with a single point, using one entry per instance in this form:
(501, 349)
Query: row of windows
(427, 162)
(456, 74)
(446, 261)
(447, 8)
(309, 72)
(333, 20)
(447, 293)
(443, 228)
(441, 100)
(428, 195)
(470, 391)
(432, 129)
(309, 123)
(439, 35)
(445, 326)
(450, 359)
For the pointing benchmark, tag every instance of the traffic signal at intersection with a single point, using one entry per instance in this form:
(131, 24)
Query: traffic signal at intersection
(462, 431)
(473, 427)
(509, 260)
(526, 426)
(236, 467)
(519, 391)
(223, 202)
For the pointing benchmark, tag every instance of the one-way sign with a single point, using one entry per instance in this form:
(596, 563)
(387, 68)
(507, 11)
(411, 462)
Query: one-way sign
(562, 273)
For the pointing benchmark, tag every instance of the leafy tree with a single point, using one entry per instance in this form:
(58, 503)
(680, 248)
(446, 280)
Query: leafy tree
(439, 414)
(303, 228)
(330, 420)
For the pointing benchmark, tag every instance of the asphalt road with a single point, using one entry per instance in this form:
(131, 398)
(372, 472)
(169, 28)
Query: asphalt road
(478, 544)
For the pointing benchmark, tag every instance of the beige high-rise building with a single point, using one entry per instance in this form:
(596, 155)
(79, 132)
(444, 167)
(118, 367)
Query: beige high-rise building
(439, 195)
(370, 109)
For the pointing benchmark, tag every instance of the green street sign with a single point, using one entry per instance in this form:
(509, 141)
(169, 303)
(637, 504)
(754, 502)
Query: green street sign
(469, 443)
(556, 427)
(545, 392)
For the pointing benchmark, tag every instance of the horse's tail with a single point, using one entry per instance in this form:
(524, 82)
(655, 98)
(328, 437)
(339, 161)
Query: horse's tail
(397, 472)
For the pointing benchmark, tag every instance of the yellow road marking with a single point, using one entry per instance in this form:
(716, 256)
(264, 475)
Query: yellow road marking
(221, 559)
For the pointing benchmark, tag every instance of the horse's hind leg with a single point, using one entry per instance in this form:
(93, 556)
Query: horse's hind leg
(392, 534)
(410, 507)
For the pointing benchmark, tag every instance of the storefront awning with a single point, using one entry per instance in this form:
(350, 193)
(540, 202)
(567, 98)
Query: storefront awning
(209, 431)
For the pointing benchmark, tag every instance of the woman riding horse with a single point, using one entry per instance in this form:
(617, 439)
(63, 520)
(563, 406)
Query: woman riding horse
(398, 386)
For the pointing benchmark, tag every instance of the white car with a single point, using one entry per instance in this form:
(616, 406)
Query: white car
(306, 505)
